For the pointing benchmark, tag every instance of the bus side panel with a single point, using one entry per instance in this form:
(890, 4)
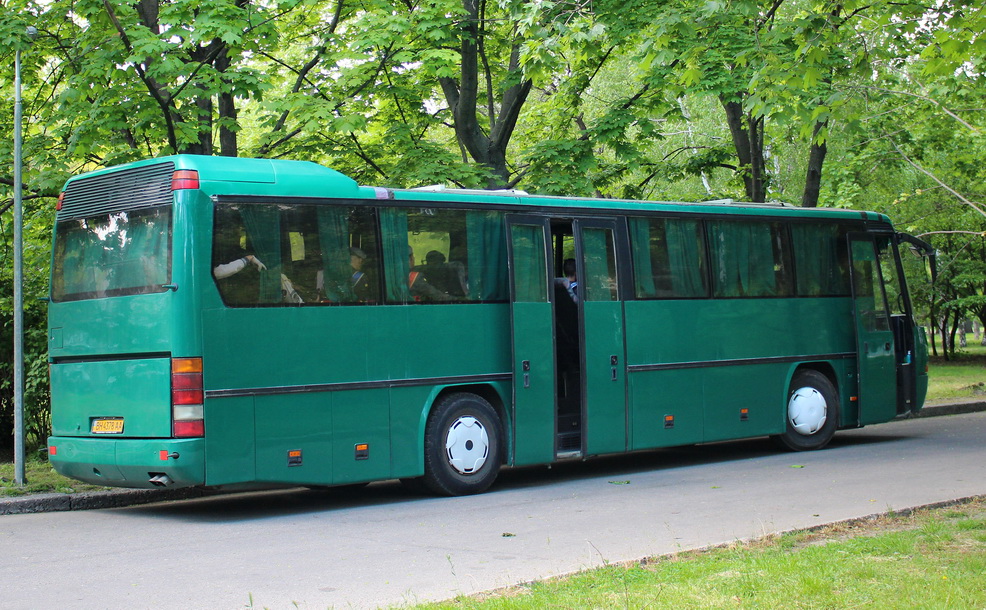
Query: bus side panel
(408, 417)
(361, 436)
(721, 340)
(656, 396)
(744, 401)
(230, 443)
(294, 438)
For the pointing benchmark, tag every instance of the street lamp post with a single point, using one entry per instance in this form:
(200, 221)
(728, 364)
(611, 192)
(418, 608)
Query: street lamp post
(19, 478)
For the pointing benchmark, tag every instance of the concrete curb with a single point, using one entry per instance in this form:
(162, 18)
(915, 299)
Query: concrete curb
(53, 502)
(952, 408)
(117, 498)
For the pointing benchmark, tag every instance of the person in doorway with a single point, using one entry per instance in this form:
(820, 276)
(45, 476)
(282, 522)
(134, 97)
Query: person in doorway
(568, 280)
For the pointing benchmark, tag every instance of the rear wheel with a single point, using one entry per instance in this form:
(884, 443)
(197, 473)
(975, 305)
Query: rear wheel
(812, 412)
(462, 445)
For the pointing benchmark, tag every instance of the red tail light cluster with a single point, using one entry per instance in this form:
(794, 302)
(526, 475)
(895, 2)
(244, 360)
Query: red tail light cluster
(184, 179)
(187, 412)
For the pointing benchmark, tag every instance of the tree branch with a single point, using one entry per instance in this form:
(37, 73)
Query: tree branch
(973, 205)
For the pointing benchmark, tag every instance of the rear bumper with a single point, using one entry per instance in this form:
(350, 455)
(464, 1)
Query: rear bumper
(123, 462)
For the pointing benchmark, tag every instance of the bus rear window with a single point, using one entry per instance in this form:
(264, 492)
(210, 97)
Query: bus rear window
(112, 254)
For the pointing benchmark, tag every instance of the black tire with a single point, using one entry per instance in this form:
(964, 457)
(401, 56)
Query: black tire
(469, 462)
(810, 398)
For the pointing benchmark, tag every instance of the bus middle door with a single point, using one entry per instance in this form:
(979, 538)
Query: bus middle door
(877, 371)
(532, 329)
(604, 353)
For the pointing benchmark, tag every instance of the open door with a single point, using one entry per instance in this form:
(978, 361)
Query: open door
(877, 371)
(604, 367)
(532, 328)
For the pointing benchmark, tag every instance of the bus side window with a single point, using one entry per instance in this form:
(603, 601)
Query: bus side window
(821, 259)
(237, 279)
(450, 255)
(348, 255)
(668, 258)
(750, 259)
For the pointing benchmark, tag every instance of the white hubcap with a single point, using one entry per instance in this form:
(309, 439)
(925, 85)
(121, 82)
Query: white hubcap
(467, 444)
(807, 410)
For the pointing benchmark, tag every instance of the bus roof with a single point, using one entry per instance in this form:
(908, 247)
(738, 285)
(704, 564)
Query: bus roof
(249, 176)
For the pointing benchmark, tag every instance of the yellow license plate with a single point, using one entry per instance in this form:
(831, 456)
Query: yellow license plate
(107, 426)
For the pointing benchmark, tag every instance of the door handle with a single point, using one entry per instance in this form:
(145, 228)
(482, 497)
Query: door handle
(526, 366)
(886, 346)
(613, 361)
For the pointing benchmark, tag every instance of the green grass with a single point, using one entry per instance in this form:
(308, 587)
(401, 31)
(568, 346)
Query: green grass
(960, 378)
(41, 478)
(929, 559)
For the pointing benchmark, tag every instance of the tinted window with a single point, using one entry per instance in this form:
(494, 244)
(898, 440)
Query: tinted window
(750, 259)
(437, 255)
(668, 258)
(113, 254)
(822, 259)
(298, 254)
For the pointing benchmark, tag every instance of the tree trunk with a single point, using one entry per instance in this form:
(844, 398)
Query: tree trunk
(462, 97)
(227, 110)
(816, 158)
(747, 135)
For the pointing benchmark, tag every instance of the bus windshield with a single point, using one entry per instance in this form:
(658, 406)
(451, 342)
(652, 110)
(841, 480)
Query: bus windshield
(112, 254)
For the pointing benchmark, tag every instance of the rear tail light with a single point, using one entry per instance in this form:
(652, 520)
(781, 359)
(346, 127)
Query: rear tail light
(184, 179)
(187, 412)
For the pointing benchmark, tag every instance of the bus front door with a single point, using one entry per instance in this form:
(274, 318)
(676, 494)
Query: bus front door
(532, 327)
(877, 374)
(604, 369)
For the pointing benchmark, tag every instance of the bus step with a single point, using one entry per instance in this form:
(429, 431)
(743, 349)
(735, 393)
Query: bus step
(569, 441)
(568, 455)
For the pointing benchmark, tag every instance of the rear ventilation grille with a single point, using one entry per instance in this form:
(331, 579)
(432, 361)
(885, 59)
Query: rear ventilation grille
(129, 189)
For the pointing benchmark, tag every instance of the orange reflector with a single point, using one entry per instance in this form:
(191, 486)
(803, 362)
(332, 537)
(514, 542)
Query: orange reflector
(669, 418)
(165, 454)
(294, 453)
(744, 411)
(853, 398)
(53, 450)
(362, 447)
(186, 365)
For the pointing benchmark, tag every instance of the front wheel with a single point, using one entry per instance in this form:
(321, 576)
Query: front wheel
(462, 445)
(812, 412)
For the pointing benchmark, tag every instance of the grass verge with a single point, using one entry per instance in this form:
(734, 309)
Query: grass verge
(960, 378)
(930, 558)
(41, 478)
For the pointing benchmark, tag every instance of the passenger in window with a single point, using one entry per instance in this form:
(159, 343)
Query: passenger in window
(420, 286)
(361, 284)
(448, 277)
(233, 267)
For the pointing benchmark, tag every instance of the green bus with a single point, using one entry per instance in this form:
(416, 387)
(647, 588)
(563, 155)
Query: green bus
(237, 322)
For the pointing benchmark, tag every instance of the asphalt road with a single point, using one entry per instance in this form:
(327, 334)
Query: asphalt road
(383, 546)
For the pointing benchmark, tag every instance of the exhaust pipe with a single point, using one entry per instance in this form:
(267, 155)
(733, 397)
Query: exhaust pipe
(160, 480)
